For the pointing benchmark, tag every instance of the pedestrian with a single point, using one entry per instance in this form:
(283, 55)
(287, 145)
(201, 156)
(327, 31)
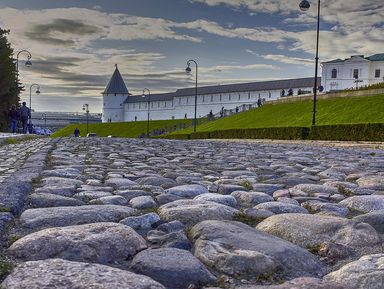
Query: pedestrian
(259, 102)
(237, 109)
(283, 93)
(25, 114)
(76, 132)
(14, 117)
(210, 116)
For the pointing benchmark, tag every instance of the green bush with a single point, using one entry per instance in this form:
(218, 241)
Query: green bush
(349, 132)
(341, 132)
(255, 133)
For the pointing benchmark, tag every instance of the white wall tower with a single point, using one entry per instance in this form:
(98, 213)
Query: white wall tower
(114, 96)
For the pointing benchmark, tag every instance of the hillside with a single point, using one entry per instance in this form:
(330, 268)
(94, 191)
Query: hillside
(351, 110)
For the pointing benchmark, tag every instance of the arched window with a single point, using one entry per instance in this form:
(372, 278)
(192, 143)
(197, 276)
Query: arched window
(334, 73)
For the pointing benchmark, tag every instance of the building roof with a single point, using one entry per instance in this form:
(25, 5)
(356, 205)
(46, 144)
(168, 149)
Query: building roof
(375, 57)
(116, 85)
(240, 87)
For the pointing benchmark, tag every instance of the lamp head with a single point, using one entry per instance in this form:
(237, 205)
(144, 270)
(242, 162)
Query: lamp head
(38, 91)
(304, 5)
(28, 63)
(188, 69)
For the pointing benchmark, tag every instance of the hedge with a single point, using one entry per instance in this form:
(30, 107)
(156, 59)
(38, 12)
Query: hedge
(348, 132)
(341, 132)
(255, 133)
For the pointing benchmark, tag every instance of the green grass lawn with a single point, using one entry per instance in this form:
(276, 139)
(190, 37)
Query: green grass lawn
(349, 110)
(120, 129)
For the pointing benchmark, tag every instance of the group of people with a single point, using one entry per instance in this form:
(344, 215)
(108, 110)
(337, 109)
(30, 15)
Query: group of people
(22, 114)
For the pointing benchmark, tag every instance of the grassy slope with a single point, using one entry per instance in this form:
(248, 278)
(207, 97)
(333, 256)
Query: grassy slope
(119, 129)
(329, 111)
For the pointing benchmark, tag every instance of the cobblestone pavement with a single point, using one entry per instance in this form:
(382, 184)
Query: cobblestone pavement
(130, 213)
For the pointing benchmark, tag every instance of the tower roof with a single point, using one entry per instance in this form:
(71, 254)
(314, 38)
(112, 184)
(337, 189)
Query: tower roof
(116, 85)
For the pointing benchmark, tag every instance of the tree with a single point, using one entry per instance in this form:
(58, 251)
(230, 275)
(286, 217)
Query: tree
(9, 85)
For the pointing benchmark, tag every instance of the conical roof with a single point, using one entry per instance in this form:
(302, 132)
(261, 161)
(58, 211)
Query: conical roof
(116, 85)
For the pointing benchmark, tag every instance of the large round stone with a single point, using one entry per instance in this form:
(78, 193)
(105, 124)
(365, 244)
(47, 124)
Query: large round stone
(311, 231)
(62, 274)
(97, 243)
(365, 273)
(364, 204)
(172, 267)
(191, 212)
(37, 219)
(239, 250)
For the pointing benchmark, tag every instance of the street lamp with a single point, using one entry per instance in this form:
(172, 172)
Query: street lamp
(304, 6)
(188, 70)
(45, 120)
(28, 63)
(149, 101)
(30, 98)
(86, 108)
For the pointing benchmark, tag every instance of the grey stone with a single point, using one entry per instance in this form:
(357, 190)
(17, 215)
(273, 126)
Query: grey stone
(281, 208)
(142, 203)
(157, 181)
(143, 222)
(301, 283)
(86, 196)
(218, 198)
(236, 249)
(5, 219)
(172, 239)
(312, 189)
(365, 273)
(227, 189)
(65, 191)
(37, 219)
(191, 212)
(109, 200)
(250, 199)
(364, 204)
(171, 227)
(187, 191)
(269, 189)
(312, 231)
(60, 181)
(375, 219)
(374, 182)
(43, 200)
(174, 268)
(14, 195)
(288, 201)
(102, 243)
(65, 172)
(130, 194)
(119, 182)
(316, 207)
(62, 274)
(164, 198)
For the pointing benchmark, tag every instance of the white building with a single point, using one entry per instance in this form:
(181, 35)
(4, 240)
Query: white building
(119, 105)
(352, 72)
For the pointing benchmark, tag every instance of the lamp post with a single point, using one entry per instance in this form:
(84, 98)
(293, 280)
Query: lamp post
(304, 6)
(45, 120)
(149, 101)
(30, 99)
(28, 63)
(86, 108)
(188, 70)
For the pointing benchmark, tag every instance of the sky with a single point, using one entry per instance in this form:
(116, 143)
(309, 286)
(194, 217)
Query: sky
(75, 44)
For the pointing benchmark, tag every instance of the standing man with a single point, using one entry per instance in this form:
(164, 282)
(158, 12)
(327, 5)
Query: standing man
(14, 117)
(25, 114)
(76, 132)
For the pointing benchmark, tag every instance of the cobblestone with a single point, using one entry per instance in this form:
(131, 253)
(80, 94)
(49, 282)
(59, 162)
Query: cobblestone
(69, 184)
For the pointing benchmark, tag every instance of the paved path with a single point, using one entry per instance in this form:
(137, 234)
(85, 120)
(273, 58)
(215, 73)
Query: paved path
(122, 213)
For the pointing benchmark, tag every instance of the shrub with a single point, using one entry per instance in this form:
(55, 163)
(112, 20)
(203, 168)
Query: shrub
(349, 132)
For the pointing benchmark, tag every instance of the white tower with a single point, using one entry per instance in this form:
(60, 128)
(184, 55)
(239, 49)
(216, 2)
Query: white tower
(114, 96)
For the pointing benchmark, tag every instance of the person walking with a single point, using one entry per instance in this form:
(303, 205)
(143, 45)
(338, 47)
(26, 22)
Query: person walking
(14, 117)
(76, 132)
(25, 114)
